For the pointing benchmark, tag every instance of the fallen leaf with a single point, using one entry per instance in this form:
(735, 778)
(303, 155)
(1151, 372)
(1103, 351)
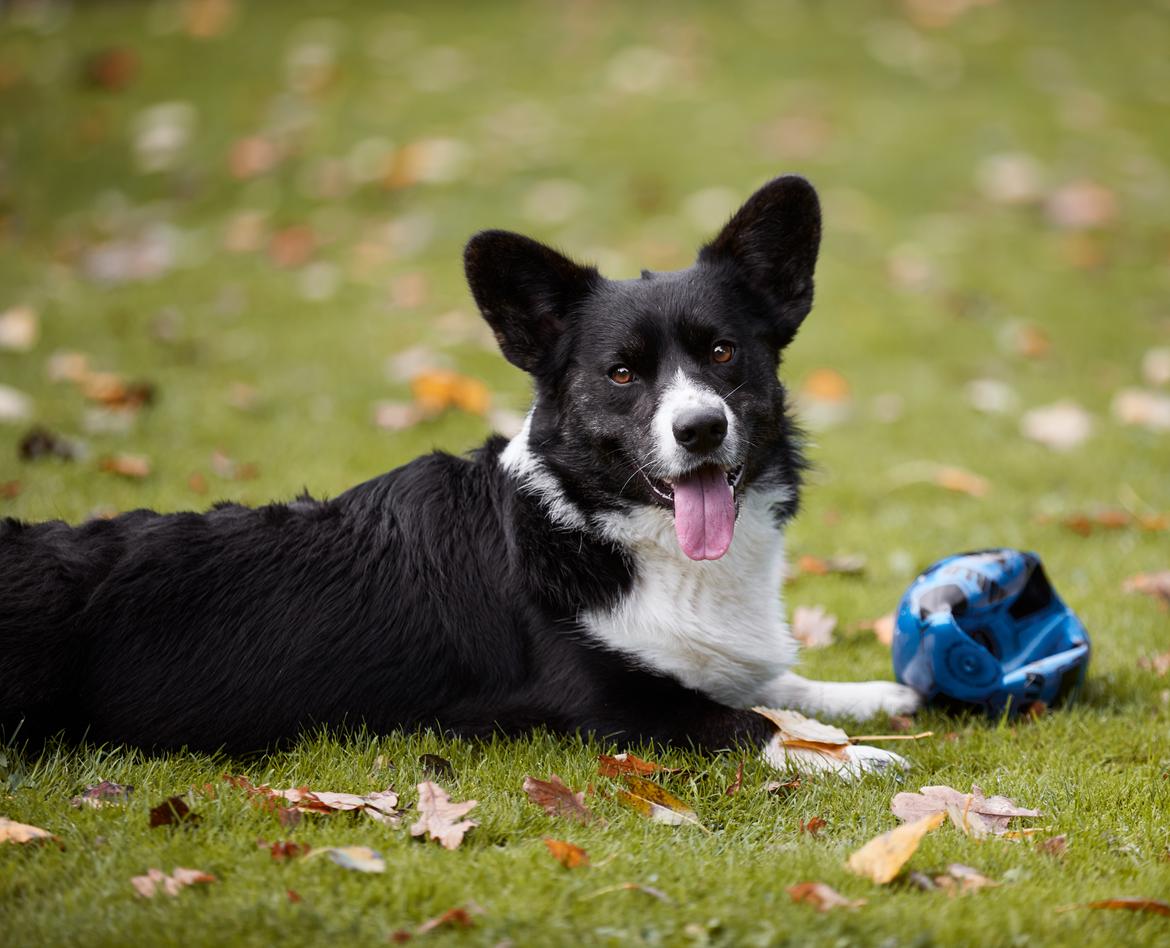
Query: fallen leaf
(567, 854)
(620, 764)
(826, 385)
(19, 329)
(292, 247)
(43, 443)
(102, 794)
(882, 858)
(10, 490)
(207, 19)
(1053, 846)
(997, 812)
(148, 886)
(1082, 205)
(1061, 426)
(737, 783)
(379, 806)
(822, 897)
(112, 69)
(436, 766)
(813, 825)
(13, 832)
(460, 917)
(282, 850)
(630, 887)
(1156, 366)
(812, 626)
(1153, 906)
(15, 406)
(396, 416)
(358, 858)
(969, 880)
(782, 787)
(132, 466)
(1158, 664)
(1031, 341)
(809, 565)
(655, 802)
(882, 628)
(292, 895)
(114, 391)
(436, 390)
(961, 481)
(171, 811)
(231, 470)
(1143, 408)
(439, 818)
(1150, 584)
(557, 799)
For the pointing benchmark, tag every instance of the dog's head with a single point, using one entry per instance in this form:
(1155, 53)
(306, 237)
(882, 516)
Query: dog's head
(661, 391)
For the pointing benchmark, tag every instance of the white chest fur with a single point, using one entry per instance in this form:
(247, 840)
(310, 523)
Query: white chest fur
(717, 626)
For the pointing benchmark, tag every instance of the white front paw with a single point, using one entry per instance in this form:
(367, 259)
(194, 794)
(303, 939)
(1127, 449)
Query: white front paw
(892, 698)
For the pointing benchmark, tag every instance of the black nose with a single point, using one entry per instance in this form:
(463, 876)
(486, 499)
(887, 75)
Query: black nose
(701, 431)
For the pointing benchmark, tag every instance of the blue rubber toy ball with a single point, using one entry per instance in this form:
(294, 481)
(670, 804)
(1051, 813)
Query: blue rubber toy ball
(986, 629)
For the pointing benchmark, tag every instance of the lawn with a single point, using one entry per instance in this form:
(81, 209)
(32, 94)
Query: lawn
(259, 209)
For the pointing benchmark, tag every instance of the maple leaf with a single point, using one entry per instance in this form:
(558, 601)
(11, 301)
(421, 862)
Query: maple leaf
(557, 799)
(971, 812)
(821, 897)
(566, 854)
(1150, 584)
(149, 885)
(439, 818)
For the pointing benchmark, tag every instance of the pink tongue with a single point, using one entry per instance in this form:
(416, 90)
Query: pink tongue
(704, 513)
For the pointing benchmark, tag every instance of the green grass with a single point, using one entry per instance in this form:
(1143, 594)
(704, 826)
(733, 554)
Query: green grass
(904, 116)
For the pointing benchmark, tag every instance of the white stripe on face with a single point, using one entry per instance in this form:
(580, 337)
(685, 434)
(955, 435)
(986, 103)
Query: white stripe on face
(683, 394)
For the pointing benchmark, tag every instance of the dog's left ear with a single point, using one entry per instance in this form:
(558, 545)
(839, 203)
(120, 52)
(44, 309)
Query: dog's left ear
(527, 292)
(771, 243)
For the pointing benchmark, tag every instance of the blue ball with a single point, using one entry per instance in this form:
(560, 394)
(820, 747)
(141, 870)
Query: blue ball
(986, 629)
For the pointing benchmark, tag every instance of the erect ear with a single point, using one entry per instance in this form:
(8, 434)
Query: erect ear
(527, 292)
(771, 244)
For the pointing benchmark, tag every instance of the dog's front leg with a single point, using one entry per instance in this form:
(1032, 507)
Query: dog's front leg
(852, 699)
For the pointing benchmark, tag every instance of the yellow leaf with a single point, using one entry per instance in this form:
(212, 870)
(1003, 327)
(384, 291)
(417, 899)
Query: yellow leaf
(882, 858)
(13, 832)
(656, 803)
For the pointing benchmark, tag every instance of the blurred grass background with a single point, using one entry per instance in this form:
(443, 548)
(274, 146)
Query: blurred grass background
(258, 209)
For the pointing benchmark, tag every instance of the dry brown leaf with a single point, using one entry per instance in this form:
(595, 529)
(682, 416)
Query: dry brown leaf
(112, 69)
(568, 855)
(462, 916)
(113, 391)
(396, 416)
(1153, 906)
(292, 247)
(132, 466)
(1053, 846)
(149, 885)
(620, 764)
(882, 858)
(813, 825)
(782, 787)
(812, 626)
(737, 783)
(13, 832)
(1031, 341)
(655, 803)
(1082, 205)
(822, 897)
(997, 812)
(557, 799)
(379, 805)
(439, 818)
(9, 490)
(809, 565)
(171, 811)
(284, 849)
(1150, 584)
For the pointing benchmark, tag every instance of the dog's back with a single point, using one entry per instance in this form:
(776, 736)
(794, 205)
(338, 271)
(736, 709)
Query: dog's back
(248, 625)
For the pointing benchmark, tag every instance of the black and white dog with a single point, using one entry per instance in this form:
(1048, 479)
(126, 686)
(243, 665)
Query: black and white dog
(613, 569)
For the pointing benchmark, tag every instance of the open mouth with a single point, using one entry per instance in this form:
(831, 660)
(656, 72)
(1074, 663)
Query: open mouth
(703, 501)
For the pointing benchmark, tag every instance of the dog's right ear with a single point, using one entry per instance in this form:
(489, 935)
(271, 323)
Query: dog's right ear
(527, 292)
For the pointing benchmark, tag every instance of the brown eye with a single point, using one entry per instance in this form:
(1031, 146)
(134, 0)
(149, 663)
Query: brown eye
(722, 352)
(621, 375)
